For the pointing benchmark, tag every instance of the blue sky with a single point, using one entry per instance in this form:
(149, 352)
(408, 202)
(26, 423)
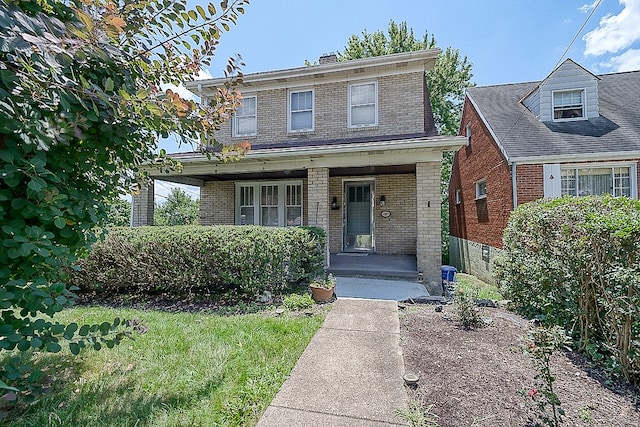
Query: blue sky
(507, 41)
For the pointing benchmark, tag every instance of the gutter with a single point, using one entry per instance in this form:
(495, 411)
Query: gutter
(514, 184)
(572, 158)
(321, 150)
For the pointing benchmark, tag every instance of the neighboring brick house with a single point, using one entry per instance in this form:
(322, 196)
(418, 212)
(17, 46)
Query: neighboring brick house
(347, 146)
(572, 133)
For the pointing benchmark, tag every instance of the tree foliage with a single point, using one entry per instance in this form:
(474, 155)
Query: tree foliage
(118, 213)
(447, 81)
(80, 109)
(178, 209)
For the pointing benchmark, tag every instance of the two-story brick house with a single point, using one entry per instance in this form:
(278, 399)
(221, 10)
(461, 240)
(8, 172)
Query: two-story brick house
(347, 146)
(573, 133)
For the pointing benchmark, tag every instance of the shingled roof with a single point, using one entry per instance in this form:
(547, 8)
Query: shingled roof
(522, 136)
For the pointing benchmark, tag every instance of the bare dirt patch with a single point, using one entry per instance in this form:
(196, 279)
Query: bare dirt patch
(472, 378)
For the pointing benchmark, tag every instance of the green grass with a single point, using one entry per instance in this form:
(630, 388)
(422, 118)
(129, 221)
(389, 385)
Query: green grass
(485, 290)
(188, 370)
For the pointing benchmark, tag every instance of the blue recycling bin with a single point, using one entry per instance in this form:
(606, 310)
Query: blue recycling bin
(448, 273)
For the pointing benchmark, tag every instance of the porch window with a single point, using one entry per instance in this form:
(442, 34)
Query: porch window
(363, 104)
(568, 105)
(276, 204)
(245, 117)
(301, 111)
(596, 181)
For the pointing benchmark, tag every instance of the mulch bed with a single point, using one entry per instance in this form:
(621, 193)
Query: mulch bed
(472, 378)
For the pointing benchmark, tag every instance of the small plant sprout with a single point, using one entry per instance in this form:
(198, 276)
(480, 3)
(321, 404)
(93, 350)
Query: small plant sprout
(541, 343)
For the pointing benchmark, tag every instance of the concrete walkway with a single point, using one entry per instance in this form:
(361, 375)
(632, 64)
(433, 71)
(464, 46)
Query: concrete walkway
(396, 290)
(350, 374)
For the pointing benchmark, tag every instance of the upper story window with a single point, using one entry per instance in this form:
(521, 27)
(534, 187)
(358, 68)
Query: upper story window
(458, 196)
(363, 104)
(245, 121)
(301, 111)
(481, 189)
(568, 105)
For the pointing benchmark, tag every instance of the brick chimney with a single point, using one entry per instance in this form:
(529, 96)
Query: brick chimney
(328, 58)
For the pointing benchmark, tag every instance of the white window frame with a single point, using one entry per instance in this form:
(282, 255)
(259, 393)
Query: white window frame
(481, 189)
(257, 206)
(468, 133)
(375, 104)
(633, 173)
(234, 126)
(290, 112)
(458, 196)
(569, 119)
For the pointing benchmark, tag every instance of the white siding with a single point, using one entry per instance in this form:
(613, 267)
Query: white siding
(532, 102)
(569, 76)
(552, 181)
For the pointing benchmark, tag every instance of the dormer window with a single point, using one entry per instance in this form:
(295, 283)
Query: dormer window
(568, 105)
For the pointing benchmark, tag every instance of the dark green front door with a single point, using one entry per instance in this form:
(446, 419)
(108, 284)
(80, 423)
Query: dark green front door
(358, 235)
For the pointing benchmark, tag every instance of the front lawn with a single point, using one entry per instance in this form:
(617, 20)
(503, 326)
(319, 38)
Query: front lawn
(189, 369)
(485, 290)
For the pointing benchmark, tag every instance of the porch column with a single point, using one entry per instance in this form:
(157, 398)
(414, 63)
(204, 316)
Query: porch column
(318, 202)
(429, 249)
(142, 206)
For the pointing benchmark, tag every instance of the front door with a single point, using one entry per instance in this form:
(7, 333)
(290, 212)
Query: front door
(358, 227)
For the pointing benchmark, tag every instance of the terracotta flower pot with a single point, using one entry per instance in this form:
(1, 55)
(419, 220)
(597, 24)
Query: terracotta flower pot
(321, 294)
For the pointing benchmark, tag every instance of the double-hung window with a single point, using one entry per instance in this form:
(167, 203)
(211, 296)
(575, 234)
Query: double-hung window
(481, 189)
(245, 121)
(301, 111)
(277, 204)
(588, 181)
(568, 105)
(363, 104)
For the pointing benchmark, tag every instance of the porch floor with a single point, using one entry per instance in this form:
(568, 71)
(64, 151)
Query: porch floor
(374, 265)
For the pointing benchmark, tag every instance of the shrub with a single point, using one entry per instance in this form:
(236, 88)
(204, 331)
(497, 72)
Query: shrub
(540, 345)
(466, 309)
(247, 260)
(575, 262)
(298, 302)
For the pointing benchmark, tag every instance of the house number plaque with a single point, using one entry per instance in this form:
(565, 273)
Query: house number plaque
(385, 214)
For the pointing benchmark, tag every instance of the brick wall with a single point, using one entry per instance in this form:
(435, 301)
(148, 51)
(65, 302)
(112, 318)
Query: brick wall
(217, 203)
(480, 220)
(530, 183)
(143, 206)
(393, 235)
(428, 242)
(401, 110)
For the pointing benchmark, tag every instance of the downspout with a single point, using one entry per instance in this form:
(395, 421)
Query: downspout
(514, 187)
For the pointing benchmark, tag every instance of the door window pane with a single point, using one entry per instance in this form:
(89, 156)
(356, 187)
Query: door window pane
(269, 205)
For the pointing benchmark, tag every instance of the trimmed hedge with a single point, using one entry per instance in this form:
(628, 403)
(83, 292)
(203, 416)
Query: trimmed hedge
(247, 260)
(575, 262)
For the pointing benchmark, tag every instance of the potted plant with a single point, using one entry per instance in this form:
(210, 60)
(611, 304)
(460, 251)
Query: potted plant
(322, 288)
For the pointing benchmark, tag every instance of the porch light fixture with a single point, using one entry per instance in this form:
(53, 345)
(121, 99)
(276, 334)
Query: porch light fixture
(383, 200)
(334, 204)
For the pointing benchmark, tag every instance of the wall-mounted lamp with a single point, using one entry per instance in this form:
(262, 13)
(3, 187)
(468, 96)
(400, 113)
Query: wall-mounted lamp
(383, 200)
(334, 204)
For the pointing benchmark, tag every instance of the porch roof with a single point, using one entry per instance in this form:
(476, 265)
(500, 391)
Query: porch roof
(370, 155)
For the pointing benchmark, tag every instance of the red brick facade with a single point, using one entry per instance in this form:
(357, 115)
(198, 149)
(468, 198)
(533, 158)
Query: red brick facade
(480, 220)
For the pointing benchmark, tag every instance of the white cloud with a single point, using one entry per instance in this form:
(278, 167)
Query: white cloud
(587, 7)
(628, 61)
(183, 91)
(615, 32)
